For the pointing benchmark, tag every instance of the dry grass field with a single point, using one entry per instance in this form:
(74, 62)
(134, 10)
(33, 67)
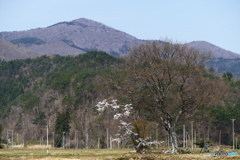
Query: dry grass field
(98, 154)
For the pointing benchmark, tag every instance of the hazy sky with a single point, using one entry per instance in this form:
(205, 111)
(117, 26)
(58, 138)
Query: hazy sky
(215, 21)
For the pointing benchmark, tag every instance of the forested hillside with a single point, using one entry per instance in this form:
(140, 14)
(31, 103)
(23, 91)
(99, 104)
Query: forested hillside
(226, 65)
(34, 91)
(62, 92)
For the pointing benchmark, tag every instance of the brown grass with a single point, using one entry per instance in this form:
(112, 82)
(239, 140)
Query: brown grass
(97, 154)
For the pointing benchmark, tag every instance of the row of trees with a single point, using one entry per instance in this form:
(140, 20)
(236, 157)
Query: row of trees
(167, 84)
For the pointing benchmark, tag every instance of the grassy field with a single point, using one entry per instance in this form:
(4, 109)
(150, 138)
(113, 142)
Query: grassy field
(97, 154)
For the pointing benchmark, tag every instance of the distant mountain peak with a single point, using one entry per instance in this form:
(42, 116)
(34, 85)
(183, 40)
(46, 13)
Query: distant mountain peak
(83, 22)
(82, 35)
(86, 22)
(217, 52)
(74, 37)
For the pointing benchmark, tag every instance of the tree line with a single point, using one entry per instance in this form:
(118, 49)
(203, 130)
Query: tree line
(167, 84)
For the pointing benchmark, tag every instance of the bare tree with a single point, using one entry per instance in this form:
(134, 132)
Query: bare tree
(166, 80)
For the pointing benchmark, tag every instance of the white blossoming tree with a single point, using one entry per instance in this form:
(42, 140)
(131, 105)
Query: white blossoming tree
(132, 128)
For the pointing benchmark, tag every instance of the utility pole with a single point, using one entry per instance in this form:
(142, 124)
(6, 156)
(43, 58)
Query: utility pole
(184, 136)
(24, 139)
(192, 132)
(233, 132)
(98, 142)
(7, 138)
(17, 138)
(77, 142)
(186, 139)
(12, 138)
(220, 133)
(107, 138)
(47, 135)
(53, 139)
(75, 137)
(66, 140)
(87, 140)
(63, 141)
(118, 142)
(110, 142)
(236, 143)
(195, 138)
(69, 142)
(41, 138)
(157, 136)
(208, 133)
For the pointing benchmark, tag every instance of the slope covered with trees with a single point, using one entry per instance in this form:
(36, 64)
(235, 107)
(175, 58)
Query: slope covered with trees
(62, 92)
(36, 92)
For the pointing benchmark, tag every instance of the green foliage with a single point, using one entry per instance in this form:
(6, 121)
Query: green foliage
(80, 81)
(29, 100)
(18, 125)
(211, 74)
(40, 119)
(200, 144)
(68, 99)
(60, 81)
(223, 115)
(22, 81)
(62, 125)
(11, 68)
(226, 65)
(236, 84)
(203, 145)
(10, 89)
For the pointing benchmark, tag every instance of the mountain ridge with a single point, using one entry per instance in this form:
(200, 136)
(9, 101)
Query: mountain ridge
(217, 52)
(10, 51)
(82, 35)
(76, 37)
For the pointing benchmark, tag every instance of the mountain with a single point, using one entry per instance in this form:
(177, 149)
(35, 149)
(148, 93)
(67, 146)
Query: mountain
(72, 38)
(216, 51)
(222, 65)
(83, 35)
(9, 51)
(222, 60)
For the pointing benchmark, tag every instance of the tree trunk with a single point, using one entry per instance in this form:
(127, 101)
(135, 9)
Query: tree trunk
(173, 139)
(170, 128)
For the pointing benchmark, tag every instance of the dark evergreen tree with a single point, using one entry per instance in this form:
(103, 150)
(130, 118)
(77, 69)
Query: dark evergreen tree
(62, 127)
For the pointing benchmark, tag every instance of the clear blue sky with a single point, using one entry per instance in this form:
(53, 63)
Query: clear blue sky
(215, 21)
